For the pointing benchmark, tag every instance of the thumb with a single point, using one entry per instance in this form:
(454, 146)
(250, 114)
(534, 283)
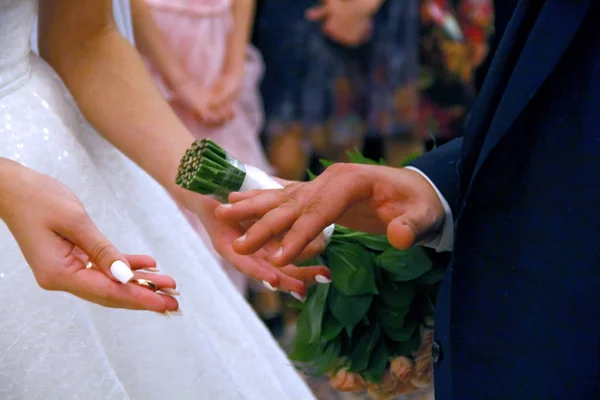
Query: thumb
(317, 13)
(105, 256)
(400, 233)
(415, 226)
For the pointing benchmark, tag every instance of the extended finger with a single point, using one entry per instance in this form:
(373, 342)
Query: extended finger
(93, 285)
(140, 261)
(262, 272)
(308, 275)
(271, 225)
(235, 197)
(164, 283)
(252, 208)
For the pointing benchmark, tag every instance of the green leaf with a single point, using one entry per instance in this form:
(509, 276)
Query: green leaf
(397, 294)
(351, 269)
(392, 316)
(311, 175)
(315, 306)
(431, 277)
(331, 327)
(328, 358)
(399, 334)
(356, 157)
(360, 354)
(326, 163)
(405, 265)
(409, 347)
(375, 242)
(377, 364)
(303, 350)
(348, 310)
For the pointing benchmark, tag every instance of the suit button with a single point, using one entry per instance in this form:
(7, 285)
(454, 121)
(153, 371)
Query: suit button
(436, 352)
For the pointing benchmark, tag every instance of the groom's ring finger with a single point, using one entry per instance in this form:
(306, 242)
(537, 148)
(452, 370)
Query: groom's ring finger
(251, 208)
(274, 223)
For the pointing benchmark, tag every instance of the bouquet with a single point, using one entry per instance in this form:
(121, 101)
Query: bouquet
(372, 327)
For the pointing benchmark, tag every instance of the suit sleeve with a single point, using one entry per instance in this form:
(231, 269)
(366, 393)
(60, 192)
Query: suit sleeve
(441, 166)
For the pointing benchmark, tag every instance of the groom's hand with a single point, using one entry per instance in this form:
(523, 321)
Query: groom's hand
(288, 278)
(367, 198)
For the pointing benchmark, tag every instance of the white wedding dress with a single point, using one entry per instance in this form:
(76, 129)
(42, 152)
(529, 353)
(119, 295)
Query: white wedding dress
(55, 346)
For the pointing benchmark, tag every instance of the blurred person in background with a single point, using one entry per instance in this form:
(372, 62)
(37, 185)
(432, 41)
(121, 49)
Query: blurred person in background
(337, 72)
(454, 43)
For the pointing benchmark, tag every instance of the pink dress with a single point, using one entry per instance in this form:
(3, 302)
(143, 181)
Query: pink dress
(197, 30)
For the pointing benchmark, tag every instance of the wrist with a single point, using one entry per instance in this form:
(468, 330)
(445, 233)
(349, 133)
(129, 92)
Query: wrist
(10, 173)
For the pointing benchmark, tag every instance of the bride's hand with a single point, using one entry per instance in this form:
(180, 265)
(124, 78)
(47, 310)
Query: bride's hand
(60, 241)
(288, 278)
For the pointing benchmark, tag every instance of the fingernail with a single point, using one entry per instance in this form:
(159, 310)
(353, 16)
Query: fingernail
(278, 253)
(178, 312)
(152, 270)
(322, 279)
(298, 297)
(241, 238)
(269, 286)
(89, 265)
(226, 205)
(170, 292)
(121, 271)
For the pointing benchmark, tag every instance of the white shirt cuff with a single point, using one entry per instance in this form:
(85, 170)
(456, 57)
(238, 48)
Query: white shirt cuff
(445, 239)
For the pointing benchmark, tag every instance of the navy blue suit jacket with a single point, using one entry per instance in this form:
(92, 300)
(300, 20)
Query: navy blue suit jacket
(518, 314)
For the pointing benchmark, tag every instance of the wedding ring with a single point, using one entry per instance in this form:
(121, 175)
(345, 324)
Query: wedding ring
(145, 283)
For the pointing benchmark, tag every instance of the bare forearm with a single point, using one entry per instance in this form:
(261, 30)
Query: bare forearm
(116, 93)
(237, 41)
(9, 173)
(151, 42)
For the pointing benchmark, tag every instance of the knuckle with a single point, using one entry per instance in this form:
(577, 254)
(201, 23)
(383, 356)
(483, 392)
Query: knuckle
(314, 207)
(289, 201)
(101, 251)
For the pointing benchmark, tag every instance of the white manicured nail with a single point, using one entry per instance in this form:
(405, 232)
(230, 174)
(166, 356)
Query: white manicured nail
(298, 297)
(269, 286)
(153, 270)
(177, 312)
(322, 279)
(226, 205)
(278, 253)
(121, 271)
(241, 238)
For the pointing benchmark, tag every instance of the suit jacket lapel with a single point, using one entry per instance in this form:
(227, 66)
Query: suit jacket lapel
(555, 27)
